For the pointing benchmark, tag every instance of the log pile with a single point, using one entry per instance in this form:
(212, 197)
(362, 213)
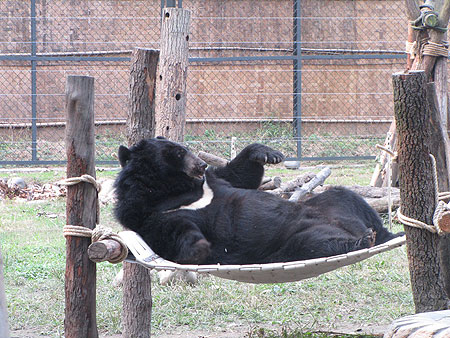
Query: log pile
(308, 184)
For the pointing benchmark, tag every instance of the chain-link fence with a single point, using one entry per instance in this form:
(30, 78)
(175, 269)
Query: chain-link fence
(310, 77)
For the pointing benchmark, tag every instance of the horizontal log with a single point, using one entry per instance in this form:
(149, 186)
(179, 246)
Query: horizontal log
(213, 160)
(274, 183)
(297, 182)
(381, 204)
(105, 250)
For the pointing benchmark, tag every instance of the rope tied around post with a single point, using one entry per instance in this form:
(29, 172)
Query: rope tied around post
(427, 47)
(441, 215)
(85, 179)
(435, 49)
(99, 233)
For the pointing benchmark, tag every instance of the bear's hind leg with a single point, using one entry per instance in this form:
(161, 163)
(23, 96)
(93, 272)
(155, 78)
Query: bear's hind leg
(193, 249)
(341, 246)
(329, 244)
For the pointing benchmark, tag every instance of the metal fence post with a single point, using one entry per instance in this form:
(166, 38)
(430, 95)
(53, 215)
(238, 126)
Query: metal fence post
(33, 82)
(297, 99)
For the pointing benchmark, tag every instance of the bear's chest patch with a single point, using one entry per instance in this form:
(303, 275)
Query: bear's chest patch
(203, 201)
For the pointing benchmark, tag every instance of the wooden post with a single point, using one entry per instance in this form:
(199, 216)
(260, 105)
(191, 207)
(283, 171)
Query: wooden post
(171, 89)
(81, 208)
(137, 296)
(4, 330)
(141, 105)
(435, 67)
(417, 191)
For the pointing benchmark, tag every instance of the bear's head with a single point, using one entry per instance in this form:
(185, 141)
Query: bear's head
(159, 155)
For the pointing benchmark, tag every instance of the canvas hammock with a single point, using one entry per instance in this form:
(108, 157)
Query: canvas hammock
(255, 273)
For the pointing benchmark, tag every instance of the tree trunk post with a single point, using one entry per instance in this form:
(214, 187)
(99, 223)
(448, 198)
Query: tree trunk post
(81, 208)
(137, 295)
(171, 89)
(141, 105)
(435, 67)
(4, 329)
(417, 191)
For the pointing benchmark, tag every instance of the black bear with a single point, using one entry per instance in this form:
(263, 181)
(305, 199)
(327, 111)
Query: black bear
(190, 214)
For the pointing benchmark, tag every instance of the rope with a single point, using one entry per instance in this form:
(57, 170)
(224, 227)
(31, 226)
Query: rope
(99, 233)
(83, 178)
(390, 155)
(441, 209)
(427, 48)
(415, 223)
(411, 49)
(435, 49)
(86, 179)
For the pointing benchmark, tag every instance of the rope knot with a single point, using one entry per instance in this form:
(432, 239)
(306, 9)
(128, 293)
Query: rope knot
(99, 233)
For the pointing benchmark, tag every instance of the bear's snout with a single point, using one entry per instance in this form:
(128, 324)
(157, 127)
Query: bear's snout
(194, 166)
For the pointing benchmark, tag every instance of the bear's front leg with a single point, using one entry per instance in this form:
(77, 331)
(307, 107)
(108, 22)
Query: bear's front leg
(246, 170)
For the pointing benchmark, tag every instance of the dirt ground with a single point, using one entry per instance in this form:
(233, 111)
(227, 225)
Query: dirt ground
(235, 332)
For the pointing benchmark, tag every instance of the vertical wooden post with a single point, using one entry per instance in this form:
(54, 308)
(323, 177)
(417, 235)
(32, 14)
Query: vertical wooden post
(417, 191)
(171, 88)
(4, 330)
(137, 296)
(81, 208)
(141, 105)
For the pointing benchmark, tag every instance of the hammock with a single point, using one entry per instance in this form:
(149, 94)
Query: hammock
(255, 273)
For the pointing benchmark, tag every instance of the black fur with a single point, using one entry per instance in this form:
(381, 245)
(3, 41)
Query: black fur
(241, 225)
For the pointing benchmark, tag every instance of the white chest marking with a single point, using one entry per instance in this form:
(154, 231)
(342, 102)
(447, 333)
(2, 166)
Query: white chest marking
(204, 201)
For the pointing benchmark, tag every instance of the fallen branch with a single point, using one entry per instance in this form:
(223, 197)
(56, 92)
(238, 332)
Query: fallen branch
(274, 183)
(213, 160)
(308, 187)
(297, 182)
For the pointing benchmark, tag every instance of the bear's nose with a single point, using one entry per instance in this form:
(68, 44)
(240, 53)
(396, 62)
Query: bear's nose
(203, 165)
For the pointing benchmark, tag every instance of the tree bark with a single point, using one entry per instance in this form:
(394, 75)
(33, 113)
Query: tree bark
(440, 148)
(81, 208)
(417, 190)
(137, 295)
(4, 329)
(141, 105)
(435, 67)
(171, 98)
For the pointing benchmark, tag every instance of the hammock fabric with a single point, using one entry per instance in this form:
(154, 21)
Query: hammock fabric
(255, 273)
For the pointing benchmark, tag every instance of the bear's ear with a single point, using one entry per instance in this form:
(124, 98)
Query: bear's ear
(124, 155)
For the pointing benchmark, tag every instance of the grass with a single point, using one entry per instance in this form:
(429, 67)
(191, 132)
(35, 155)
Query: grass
(277, 134)
(374, 291)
